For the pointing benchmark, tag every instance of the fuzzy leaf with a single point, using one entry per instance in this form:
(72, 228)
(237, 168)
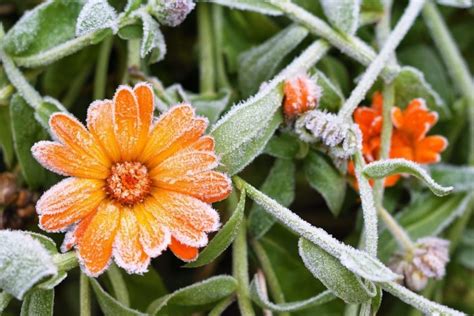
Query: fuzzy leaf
(260, 299)
(343, 14)
(456, 3)
(22, 115)
(211, 106)
(260, 63)
(326, 179)
(38, 302)
(383, 168)
(460, 177)
(109, 305)
(280, 185)
(47, 25)
(250, 5)
(5, 299)
(153, 43)
(223, 238)
(6, 137)
(337, 278)
(284, 146)
(201, 293)
(96, 15)
(331, 98)
(410, 84)
(23, 262)
(243, 132)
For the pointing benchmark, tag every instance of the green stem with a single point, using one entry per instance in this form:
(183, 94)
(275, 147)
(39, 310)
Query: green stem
(455, 64)
(76, 86)
(118, 285)
(84, 296)
(347, 44)
(377, 65)
(66, 261)
(396, 230)
(270, 275)
(100, 80)
(222, 82)
(206, 58)
(220, 307)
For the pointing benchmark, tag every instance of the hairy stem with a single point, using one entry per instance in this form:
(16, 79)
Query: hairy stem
(101, 67)
(206, 58)
(372, 72)
(396, 230)
(118, 285)
(84, 296)
(66, 261)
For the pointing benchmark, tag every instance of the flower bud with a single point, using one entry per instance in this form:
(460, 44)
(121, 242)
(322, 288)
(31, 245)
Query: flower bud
(427, 260)
(171, 12)
(301, 95)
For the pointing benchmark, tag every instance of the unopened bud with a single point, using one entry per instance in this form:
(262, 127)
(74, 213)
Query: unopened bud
(171, 12)
(301, 95)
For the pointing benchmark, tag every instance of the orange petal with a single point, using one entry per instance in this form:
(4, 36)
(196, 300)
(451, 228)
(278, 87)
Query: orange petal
(169, 127)
(75, 232)
(397, 117)
(402, 152)
(146, 105)
(100, 124)
(391, 180)
(435, 143)
(427, 157)
(182, 251)
(208, 186)
(187, 163)
(128, 252)
(364, 115)
(205, 143)
(60, 159)
(71, 133)
(377, 101)
(126, 122)
(68, 202)
(154, 237)
(94, 246)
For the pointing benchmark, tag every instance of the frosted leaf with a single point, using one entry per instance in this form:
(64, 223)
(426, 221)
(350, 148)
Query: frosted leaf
(343, 14)
(460, 177)
(456, 3)
(96, 15)
(23, 262)
(251, 5)
(38, 302)
(153, 42)
(171, 13)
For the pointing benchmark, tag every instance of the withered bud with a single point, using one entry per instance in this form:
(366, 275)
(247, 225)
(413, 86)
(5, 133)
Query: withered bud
(171, 12)
(301, 94)
(427, 260)
(8, 188)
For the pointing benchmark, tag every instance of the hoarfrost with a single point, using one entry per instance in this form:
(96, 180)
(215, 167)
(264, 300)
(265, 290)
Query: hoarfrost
(96, 15)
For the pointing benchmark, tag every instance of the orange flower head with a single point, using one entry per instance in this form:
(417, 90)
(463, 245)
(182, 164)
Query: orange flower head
(301, 95)
(135, 187)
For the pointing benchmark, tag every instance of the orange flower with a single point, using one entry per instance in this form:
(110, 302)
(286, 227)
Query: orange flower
(409, 138)
(301, 95)
(135, 187)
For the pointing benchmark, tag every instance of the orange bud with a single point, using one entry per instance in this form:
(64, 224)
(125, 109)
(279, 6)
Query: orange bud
(301, 95)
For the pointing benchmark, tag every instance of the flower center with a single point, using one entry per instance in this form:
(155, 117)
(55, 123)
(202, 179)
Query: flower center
(128, 183)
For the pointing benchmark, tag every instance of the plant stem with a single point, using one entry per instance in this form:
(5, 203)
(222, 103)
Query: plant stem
(455, 64)
(66, 261)
(102, 65)
(220, 307)
(372, 72)
(84, 296)
(396, 230)
(240, 271)
(206, 58)
(76, 86)
(222, 82)
(347, 44)
(270, 275)
(118, 285)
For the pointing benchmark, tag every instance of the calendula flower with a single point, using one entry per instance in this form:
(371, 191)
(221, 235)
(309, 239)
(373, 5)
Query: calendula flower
(409, 140)
(135, 187)
(301, 94)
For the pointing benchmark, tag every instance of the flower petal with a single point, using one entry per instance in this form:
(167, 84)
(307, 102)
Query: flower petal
(435, 143)
(59, 159)
(205, 143)
(154, 237)
(187, 163)
(182, 251)
(74, 136)
(68, 202)
(100, 124)
(126, 122)
(128, 252)
(94, 244)
(146, 105)
(208, 186)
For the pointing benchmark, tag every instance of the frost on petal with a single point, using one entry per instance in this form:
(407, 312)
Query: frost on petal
(188, 163)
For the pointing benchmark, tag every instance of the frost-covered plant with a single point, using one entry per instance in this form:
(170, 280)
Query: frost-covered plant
(253, 104)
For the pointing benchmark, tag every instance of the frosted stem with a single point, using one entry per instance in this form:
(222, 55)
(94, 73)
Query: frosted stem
(347, 44)
(84, 296)
(372, 72)
(66, 261)
(396, 230)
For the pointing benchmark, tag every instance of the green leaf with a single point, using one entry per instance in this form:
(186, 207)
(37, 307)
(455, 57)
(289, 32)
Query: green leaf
(223, 238)
(153, 43)
(410, 84)
(260, 63)
(280, 185)
(211, 106)
(6, 137)
(284, 146)
(23, 263)
(109, 305)
(38, 302)
(46, 26)
(332, 98)
(383, 168)
(143, 289)
(243, 132)
(336, 277)
(456, 3)
(96, 15)
(250, 5)
(5, 299)
(201, 293)
(460, 177)
(326, 179)
(343, 14)
(261, 300)
(22, 115)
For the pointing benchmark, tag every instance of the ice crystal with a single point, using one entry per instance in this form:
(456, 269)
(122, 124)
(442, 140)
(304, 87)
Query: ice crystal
(171, 13)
